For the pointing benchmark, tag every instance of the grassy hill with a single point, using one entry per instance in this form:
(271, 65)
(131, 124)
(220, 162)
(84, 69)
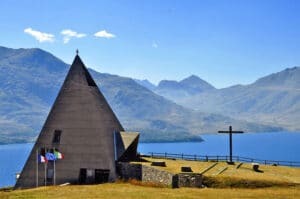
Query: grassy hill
(273, 182)
(129, 191)
(237, 175)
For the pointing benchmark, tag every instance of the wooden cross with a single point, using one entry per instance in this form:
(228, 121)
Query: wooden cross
(230, 140)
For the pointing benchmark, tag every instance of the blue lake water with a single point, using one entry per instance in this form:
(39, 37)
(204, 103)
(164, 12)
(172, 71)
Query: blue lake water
(271, 146)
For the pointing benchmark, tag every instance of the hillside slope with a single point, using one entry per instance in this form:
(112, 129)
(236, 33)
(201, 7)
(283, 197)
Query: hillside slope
(30, 80)
(272, 100)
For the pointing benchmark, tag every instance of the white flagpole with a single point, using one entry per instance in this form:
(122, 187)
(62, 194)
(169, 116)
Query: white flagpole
(37, 167)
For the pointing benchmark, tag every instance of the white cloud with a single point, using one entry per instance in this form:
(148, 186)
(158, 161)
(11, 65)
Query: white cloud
(104, 34)
(68, 34)
(154, 45)
(40, 36)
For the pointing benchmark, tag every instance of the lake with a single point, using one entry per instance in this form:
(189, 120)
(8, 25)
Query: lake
(271, 146)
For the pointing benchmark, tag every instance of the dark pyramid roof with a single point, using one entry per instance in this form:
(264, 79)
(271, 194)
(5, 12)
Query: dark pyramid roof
(79, 73)
(87, 125)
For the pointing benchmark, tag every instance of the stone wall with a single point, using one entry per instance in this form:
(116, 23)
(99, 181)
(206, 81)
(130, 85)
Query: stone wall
(189, 180)
(129, 171)
(149, 174)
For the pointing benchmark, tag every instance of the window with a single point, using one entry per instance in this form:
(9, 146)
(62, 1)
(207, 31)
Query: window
(56, 138)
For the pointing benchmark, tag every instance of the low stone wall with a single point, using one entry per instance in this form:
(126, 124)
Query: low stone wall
(189, 180)
(149, 174)
(129, 171)
(144, 173)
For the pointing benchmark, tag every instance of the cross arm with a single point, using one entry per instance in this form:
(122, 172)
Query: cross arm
(229, 131)
(223, 132)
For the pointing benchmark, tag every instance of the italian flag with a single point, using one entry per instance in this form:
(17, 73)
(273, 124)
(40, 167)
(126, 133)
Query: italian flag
(58, 155)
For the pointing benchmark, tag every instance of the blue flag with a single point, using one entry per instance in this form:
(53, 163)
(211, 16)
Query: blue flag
(50, 156)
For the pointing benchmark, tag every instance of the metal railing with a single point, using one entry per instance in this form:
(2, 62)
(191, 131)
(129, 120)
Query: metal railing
(220, 158)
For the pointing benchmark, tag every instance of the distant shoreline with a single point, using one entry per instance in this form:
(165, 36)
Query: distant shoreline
(200, 139)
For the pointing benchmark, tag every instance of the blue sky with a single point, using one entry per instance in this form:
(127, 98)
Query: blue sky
(223, 42)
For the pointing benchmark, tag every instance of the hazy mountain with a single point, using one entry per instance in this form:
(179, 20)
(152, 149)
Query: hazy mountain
(272, 100)
(145, 83)
(30, 80)
(288, 78)
(187, 87)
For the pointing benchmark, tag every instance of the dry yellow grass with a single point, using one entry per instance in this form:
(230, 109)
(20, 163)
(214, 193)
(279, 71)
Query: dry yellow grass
(277, 179)
(268, 173)
(125, 191)
(174, 166)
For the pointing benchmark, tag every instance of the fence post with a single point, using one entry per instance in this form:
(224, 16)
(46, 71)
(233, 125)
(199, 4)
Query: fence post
(195, 157)
(265, 162)
(206, 159)
(165, 154)
(217, 158)
(151, 154)
(182, 156)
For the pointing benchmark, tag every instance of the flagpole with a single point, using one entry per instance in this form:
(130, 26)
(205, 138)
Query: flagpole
(37, 168)
(45, 165)
(54, 168)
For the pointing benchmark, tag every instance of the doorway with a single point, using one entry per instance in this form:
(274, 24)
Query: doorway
(101, 176)
(93, 176)
(82, 176)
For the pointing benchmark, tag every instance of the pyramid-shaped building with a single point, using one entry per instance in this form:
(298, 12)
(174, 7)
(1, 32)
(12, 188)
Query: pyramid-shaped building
(83, 128)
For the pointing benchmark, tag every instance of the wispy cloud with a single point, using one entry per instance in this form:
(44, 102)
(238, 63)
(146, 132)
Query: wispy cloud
(154, 45)
(104, 34)
(40, 36)
(68, 34)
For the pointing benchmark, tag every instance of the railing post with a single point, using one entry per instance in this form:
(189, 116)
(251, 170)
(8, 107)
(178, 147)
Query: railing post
(165, 154)
(217, 158)
(265, 162)
(182, 156)
(206, 159)
(151, 154)
(195, 157)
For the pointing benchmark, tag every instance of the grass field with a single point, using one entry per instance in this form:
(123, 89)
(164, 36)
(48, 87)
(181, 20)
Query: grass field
(242, 182)
(126, 190)
(243, 177)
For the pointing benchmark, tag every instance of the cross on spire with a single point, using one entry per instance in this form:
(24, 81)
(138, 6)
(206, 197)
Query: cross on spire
(77, 51)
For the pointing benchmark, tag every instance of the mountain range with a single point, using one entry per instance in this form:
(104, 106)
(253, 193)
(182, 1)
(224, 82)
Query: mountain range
(30, 80)
(271, 100)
